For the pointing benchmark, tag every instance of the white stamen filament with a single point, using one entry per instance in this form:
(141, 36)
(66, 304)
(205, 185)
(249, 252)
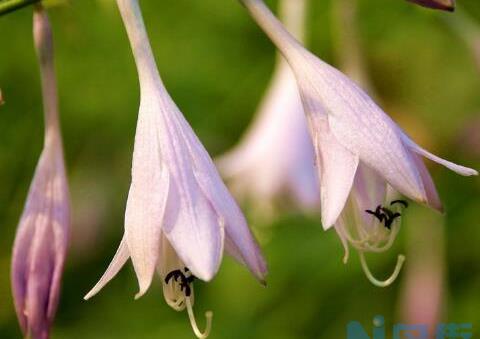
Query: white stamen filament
(369, 238)
(372, 242)
(191, 316)
(389, 280)
(177, 305)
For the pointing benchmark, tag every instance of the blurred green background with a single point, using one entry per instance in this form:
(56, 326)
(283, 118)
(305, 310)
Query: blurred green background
(216, 64)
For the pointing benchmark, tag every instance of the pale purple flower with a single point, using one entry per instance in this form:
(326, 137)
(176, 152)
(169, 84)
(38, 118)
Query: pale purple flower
(41, 242)
(348, 128)
(275, 158)
(179, 214)
(446, 5)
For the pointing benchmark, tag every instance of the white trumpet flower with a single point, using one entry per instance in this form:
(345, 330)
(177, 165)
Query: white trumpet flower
(179, 215)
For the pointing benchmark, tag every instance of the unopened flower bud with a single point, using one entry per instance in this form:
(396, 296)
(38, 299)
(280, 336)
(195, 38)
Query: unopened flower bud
(42, 235)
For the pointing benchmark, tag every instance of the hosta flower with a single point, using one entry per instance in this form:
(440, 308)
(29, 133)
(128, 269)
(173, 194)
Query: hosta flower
(446, 5)
(179, 215)
(41, 241)
(276, 156)
(348, 128)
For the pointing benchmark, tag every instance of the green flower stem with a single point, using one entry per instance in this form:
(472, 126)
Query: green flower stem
(7, 6)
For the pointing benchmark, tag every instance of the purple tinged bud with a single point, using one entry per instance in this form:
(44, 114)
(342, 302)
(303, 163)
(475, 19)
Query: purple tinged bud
(40, 245)
(445, 5)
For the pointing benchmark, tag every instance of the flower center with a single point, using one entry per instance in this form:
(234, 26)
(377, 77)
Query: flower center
(185, 280)
(375, 234)
(178, 292)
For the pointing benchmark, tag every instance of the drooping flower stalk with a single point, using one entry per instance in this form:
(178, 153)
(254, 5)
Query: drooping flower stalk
(275, 158)
(350, 131)
(180, 216)
(41, 241)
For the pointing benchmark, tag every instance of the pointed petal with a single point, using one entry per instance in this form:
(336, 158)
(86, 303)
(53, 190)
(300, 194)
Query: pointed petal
(143, 222)
(433, 200)
(336, 166)
(117, 263)
(148, 193)
(465, 171)
(240, 242)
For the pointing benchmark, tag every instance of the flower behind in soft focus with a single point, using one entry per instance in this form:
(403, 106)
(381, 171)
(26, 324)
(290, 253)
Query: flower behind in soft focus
(179, 215)
(446, 5)
(41, 241)
(276, 156)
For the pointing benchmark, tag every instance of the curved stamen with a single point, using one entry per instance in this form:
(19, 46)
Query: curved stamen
(177, 305)
(377, 248)
(375, 281)
(191, 316)
(369, 243)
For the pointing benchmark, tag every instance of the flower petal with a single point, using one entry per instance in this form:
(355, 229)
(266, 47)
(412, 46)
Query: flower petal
(194, 230)
(148, 193)
(433, 200)
(240, 242)
(450, 165)
(115, 266)
(370, 189)
(364, 129)
(336, 166)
